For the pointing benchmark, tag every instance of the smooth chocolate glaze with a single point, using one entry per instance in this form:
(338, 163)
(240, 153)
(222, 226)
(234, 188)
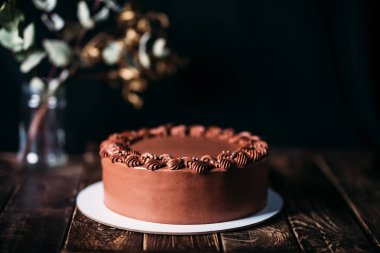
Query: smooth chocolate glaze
(183, 197)
(184, 146)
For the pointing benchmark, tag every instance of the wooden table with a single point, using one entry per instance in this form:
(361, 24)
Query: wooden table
(332, 203)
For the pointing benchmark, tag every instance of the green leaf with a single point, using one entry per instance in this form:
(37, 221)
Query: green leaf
(36, 85)
(144, 59)
(45, 5)
(32, 60)
(64, 75)
(5, 13)
(53, 21)
(20, 56)
(53, 85)
(112, 53)
(29, 36)
(110, 4)
(159, 48)
(11, 40)
(58, 51)
(102, 15)
(83, 13)
(142, 54)
(10, 15)
(10, 18)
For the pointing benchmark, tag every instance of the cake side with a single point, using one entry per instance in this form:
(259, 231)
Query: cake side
(184, 197)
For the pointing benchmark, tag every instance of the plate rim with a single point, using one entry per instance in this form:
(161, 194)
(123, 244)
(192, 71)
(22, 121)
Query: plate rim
(97, 188)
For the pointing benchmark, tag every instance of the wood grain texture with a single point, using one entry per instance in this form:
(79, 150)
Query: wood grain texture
(36, 218)
(181, 243)
(273, 235)
(357, 177)
(86, 235)
(319, 218)
(6, 184)
(331, 205)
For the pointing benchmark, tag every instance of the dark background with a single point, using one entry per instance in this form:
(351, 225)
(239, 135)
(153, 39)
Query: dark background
(298, 73)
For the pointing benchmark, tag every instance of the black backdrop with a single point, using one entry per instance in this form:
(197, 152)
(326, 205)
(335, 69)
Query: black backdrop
(299, 73)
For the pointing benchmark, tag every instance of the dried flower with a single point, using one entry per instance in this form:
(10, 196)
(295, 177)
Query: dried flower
(137, 85)
(134, 53)
(128, 73)
(135, 100)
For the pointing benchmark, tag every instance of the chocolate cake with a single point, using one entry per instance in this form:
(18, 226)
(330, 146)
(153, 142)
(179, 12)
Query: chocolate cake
(184, 174)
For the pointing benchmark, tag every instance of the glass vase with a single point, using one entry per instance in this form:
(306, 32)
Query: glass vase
(42, 136)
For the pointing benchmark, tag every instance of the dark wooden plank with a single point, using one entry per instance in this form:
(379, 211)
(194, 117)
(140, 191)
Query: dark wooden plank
(273, 235)
(36, 218)
(6, 183)
(357, 177)
(86, 235)
(318, 216)
(92, 169)
(181, 243)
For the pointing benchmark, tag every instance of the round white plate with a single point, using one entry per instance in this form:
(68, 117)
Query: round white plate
(90, 203)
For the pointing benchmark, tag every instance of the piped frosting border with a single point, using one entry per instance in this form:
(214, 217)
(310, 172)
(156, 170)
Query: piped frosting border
(251, 148)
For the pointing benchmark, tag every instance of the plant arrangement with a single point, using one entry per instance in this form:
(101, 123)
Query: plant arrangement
(132, 46)
(125, 47)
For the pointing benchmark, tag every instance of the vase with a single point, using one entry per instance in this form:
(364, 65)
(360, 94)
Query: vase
(41, 132)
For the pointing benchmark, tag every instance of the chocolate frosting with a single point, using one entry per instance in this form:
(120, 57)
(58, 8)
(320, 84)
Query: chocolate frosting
(165, 157)
(197, 130)
(239, 149)
(226, 163)
(200, 166)
(178, 131)
(133, 161)
(241, 159)
(153, 164)
(175, 164)
(184, 175)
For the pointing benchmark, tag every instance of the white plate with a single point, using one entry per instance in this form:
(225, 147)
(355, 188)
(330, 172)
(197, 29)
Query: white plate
(90, 203)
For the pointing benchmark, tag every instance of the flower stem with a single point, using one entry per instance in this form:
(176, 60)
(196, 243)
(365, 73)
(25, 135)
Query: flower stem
(33, 129)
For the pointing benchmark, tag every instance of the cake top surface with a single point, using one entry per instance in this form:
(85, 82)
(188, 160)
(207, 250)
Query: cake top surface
(195, 147)
(186, 146)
